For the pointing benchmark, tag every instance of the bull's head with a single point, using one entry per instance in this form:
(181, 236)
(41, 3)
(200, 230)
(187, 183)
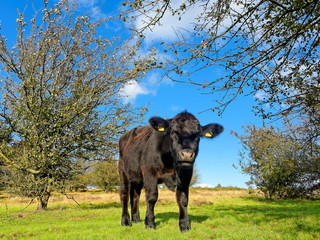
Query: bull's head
(184, 132)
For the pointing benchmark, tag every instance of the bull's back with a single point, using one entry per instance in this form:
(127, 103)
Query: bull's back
(132, 145)
(134, 141)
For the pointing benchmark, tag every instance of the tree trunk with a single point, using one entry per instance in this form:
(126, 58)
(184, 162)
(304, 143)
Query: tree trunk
(43, 201)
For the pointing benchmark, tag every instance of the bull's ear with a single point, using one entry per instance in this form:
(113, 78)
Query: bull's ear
(211, 130)
(159, 124)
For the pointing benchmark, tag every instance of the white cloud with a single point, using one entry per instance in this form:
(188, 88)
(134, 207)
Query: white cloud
(131, 90)
(203, 185)
(93, 8)
(261, 95)
(149, 86)
(175, 108)
(155, 80)
(169, 24)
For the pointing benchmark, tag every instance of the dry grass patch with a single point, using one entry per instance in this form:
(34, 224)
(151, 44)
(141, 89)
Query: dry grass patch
(197, 197)
(164, 194)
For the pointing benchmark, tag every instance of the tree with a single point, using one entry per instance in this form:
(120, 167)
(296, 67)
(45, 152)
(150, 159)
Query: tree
(280, 163)
(60, 97)
(5, 136)
(105, 175)
(81, 182)
(267, 48)
(195, 176)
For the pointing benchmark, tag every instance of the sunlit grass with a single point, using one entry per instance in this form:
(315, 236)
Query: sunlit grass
(232, 214)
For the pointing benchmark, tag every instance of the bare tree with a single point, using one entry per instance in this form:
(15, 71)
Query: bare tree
(264, 47)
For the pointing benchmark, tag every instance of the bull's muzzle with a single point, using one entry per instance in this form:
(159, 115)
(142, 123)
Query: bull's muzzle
(187, 157)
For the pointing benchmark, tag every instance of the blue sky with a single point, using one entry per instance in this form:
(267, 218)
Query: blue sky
(167, 98)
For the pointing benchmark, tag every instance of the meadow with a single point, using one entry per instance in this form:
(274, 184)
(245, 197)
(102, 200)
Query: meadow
(223, 214)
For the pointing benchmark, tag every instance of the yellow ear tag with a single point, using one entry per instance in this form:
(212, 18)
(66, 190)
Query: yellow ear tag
(161, 129)
(208, 134)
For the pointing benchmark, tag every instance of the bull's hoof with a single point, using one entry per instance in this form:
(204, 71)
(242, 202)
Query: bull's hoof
(126, 222)
(136, 219)
(149, 223)
(185, 226)
(149, 226)
(185, 229)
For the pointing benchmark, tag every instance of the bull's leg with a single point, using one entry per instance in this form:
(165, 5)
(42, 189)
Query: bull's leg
(182, 195)
(135, 191)
(151, 189)
(124, 197)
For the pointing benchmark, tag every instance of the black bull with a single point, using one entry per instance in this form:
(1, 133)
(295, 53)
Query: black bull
(163, 152)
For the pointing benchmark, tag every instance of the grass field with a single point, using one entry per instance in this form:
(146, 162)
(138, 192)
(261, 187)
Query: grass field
(224, 214)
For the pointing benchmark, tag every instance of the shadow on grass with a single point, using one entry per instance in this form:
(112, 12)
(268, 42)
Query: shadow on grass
(101, 205)
(85, 206)
(263, 212)
(270, 212)
(165, 217)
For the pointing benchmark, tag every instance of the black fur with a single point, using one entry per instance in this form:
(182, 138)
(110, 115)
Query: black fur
(163, 152)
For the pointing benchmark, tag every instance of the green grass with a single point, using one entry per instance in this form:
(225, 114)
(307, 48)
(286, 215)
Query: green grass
(213, 215)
